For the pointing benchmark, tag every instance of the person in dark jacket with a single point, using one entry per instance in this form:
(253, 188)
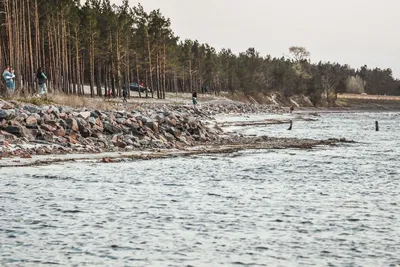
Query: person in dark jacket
(194, 98)
(41, 77)
(124, 93)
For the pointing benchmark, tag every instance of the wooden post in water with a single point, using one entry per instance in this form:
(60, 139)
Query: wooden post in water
(290, 127)
(376, 126)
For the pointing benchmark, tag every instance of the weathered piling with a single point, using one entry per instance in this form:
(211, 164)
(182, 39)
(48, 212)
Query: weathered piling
(290, 126)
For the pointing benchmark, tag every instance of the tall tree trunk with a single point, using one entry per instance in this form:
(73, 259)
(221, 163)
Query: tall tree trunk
(164, 71)
(91, 64)
(8, 12)
(190, 76)
(82, 68)
(158, 74)
(137, 74)
(118, 63)
(150, 66)
(31, 70)
(98, 78)
(37, 37)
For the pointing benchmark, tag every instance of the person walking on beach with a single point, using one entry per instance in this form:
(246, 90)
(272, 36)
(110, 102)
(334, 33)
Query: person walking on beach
(194, 99)
(8, 76)
(41, 77)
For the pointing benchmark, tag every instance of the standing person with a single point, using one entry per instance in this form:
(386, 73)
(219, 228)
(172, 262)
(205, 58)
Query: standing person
(194, 99)
(124, 95)
(8, 76)
(41, 81)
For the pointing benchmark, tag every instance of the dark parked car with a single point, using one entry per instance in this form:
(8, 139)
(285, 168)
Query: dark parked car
(135, 87)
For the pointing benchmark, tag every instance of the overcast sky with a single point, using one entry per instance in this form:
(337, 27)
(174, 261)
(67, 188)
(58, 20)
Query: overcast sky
(354, 32)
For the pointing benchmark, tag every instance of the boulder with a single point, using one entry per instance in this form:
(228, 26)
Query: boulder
(91, 121)
(85, 114)
(6, 105)
(72, 124)
(7, 114)
(59, 132)
(48, 137)
(169, 137)
(171, 121)
(175, 132)
(110, 128)
(65, 110)
(63, 124)
(31, 120)
(183, 140)
(47, 128)
(19, 131)
(53, 123)
(8, 136)
(121, 120)
(144, 143)
(120, 144)
(160, 118)
(99, 123)
(31, 109)
(135, 125)
(21, 117)
(153, 125)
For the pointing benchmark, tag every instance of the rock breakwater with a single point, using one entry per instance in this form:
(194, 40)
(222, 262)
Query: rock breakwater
(27, 129)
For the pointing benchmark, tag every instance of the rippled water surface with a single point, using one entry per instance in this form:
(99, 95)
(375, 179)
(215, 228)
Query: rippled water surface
(330, 206)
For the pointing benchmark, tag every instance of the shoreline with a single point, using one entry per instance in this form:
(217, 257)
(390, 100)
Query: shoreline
(115, 157)
(28, 131)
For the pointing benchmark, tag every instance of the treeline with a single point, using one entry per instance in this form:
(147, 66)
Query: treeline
(106, 46)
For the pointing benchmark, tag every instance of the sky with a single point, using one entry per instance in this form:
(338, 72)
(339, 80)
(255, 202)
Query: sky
(354, 32)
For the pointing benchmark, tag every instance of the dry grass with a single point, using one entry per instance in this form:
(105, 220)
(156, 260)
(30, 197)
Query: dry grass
(38, 101)
(65, 100)
(239, 96)
(81, 102)
(374, 97)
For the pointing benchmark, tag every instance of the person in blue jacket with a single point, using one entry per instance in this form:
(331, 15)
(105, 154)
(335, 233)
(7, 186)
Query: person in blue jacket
(9, 76)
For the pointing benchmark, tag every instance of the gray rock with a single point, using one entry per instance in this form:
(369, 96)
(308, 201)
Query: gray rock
(3, 114)
(46, 137)
(83, 129)
(31, 109)
(175, 132)
(8, 114)
(65, 110)
(142, 119)
(144, 143)
(63, 124)
(108, 127)
(169, 137)
(72, 124)
(19, 131)
(91, 121)
(121, 120)
(153, 125)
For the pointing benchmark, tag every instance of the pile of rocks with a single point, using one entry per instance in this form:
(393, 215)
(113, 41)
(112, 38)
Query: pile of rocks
(27, 129)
